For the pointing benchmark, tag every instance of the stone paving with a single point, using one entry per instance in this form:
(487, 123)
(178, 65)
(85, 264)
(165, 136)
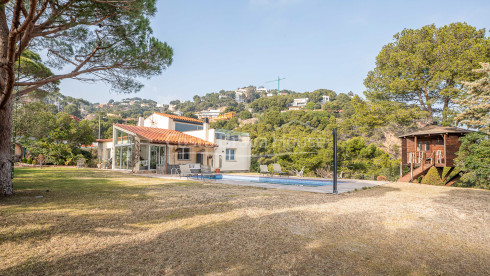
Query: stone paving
(344, 185)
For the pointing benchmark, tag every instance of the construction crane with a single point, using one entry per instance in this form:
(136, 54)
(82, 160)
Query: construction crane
(278, 82)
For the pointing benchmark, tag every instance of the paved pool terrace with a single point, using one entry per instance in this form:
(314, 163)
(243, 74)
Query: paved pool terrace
(304, 184)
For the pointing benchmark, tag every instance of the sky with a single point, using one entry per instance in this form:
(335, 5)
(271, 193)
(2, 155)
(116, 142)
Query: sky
(313, 44)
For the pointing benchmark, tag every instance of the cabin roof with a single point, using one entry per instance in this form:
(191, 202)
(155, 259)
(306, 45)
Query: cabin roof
(435, 129)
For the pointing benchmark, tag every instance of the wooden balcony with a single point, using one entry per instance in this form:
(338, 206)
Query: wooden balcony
(427, 158)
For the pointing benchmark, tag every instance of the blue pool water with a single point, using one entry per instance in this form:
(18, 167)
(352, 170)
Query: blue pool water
(274, 180)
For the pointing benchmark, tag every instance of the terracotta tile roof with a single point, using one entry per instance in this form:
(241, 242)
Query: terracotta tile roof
(104, 140)
(165, 136)
(435, 129)
(182, 118)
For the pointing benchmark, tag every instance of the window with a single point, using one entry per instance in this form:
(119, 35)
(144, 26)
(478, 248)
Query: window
(230, 154)
(184, 154)
(187, 127)
(423, 146)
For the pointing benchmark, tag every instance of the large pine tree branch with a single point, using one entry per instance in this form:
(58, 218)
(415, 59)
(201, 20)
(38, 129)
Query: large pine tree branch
(31, 86)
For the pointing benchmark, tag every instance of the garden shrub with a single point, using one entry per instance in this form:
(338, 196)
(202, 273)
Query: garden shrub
(432, 177)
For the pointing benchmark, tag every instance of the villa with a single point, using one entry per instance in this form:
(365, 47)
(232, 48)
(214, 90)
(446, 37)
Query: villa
(162, 142)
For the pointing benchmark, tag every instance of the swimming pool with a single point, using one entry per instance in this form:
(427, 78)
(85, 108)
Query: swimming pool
(274, 180)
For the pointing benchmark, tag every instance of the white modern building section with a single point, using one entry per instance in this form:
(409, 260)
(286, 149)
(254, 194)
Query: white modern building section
(239, 96)
(161, 142)
(325, 99)
(300, 102)
(209, 114)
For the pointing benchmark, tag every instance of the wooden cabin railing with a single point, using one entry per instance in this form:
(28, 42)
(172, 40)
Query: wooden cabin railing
(426, 157)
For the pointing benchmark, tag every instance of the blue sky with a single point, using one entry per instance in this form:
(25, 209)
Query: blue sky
(314, 44)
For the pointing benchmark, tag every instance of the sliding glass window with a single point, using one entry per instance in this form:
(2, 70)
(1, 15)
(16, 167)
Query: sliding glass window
(124, 145)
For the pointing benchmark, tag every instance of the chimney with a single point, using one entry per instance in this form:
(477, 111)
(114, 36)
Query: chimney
(141, 121)
(205, 127)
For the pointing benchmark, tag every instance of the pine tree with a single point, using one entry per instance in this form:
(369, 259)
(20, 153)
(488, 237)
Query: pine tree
(475, 103)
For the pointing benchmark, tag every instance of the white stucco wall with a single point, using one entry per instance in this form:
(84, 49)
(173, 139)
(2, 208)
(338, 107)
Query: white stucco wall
(102, 151)
(202, 134)
(242, 155)
(159, 121)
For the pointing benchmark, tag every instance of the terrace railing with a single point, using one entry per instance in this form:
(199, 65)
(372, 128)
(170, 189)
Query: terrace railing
(423, 158)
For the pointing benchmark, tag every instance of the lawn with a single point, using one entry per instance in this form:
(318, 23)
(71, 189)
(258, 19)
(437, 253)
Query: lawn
(103, 222)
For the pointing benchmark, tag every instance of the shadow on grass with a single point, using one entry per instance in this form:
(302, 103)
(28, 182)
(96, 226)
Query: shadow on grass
(279, 243)
(210, 228)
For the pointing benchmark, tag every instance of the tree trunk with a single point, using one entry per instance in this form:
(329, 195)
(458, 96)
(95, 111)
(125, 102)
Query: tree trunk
(5, 114)
(6, 149)
(429, 105)
(445, 109)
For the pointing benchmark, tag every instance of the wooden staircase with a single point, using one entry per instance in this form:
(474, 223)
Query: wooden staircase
(416, 173)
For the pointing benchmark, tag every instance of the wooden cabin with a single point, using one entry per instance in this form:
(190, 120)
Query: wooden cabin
(430, 146)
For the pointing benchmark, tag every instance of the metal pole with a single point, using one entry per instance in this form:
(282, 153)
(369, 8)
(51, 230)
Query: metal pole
(335, 191)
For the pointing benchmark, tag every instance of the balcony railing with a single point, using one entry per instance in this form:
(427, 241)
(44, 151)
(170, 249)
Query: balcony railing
(426, 157)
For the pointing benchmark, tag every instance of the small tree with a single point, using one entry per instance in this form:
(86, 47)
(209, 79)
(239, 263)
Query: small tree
(40, 160)
(432, 177)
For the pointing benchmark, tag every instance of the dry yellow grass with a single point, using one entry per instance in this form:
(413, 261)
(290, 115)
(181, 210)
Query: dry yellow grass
(94, 222)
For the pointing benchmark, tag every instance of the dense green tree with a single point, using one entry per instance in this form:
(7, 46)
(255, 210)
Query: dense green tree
(34, 120)
(62, 136)
(475, 103)
(72, 109)
(244, 115)
(474, 159)
(427, 66)
(101, 40)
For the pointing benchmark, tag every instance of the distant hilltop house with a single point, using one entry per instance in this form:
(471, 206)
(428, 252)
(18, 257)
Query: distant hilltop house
(325, 99)
(240, 95)
(215, 115)
(298, 103)
(162, 142)
(225, 116)
(262, 90)
(208, 114)
(430, 146)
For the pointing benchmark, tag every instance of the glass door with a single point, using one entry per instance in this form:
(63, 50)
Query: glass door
(153, 157)
(162, 156)
(158, 156)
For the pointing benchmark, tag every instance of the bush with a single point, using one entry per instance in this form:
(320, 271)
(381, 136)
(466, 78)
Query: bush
(24, 160)
(432, 177)
(473, 159)
(29, 161)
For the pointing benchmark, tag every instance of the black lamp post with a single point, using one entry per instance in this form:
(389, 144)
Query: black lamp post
(335, 191)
